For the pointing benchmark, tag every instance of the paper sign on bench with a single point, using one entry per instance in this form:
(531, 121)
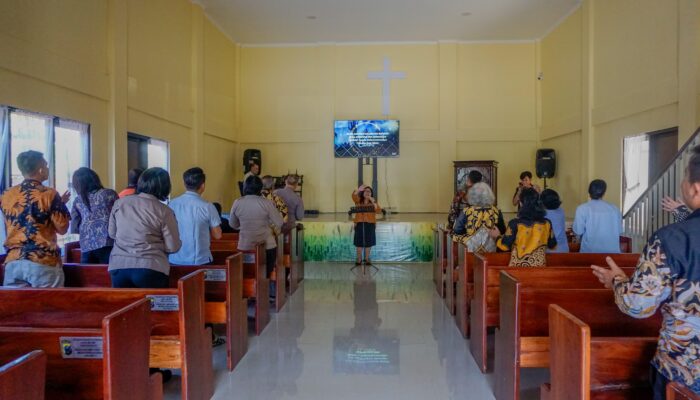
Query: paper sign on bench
(164, 302)
(215, 275)
(81, 347)
(248, 258)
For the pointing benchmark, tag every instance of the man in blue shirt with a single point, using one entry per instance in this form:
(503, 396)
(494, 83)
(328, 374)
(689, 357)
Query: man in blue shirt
(598, 223)
(197, 220)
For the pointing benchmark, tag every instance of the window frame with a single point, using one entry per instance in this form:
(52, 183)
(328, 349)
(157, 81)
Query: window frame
(6, 179)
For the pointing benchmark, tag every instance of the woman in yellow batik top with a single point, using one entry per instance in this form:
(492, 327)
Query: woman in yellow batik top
(529, 235)
(475, 222)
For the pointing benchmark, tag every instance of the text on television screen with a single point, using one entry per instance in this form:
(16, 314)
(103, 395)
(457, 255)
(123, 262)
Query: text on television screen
(366, 138)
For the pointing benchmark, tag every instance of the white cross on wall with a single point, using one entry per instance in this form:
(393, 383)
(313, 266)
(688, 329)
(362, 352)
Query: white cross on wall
(386, 76)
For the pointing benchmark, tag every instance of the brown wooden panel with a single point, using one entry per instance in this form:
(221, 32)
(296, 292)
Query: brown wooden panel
(569, 356)
(126, 344)
(24, 377)
(676, 391)
(618, 362)
(534, 352)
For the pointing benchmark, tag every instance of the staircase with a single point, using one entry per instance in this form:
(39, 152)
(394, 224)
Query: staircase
(647, 215)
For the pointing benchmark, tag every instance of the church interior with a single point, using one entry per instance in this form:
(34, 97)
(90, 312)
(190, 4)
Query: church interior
(611, 87)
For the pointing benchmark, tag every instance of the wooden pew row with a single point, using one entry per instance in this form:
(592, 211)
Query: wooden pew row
(484, 306)
(179, 339)
(676, 391)
(436, 255)
(585, 365)
(24, 377)
(223, 295)
(442, 260)
(254, 272)
(464, 292)
(522, 341)
(451, 271)
(93, 351)
(297, 252)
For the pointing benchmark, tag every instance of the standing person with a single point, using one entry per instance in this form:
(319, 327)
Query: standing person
(34, 215)
(525, 183)
(668, 276)
(529, 235)
(225, 227)
(197, 221)
(365, 224)
(460, 201)
(144, 231)
(474, 224)
(134, 175)
(295, 204)
(254, 216)
(267, 192)
(555, 215)
(254, 170)
(597, 222)
(90, 216)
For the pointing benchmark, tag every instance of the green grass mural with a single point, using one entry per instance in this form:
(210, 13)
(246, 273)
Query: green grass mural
(396, 241)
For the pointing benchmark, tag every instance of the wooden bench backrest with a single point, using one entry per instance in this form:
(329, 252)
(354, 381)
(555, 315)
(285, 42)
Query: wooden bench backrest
(122, 372)
(581, 363)
(24, 377)
(532, 302)
(569, 259)
(676, 391)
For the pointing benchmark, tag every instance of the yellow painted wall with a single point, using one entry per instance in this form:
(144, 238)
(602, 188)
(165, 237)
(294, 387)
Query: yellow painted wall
(630, 67)
(455, 96)
(158, 68)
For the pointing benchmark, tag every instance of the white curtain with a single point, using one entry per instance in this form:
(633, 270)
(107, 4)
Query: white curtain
(635, 169)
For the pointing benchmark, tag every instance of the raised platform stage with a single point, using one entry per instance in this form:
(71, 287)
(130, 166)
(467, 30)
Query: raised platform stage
(400, 237)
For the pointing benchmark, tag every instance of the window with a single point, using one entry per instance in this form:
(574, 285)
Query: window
(145, 152)
(65, 144)
(646, 157)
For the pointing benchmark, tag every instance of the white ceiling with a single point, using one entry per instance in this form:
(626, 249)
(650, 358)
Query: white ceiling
(287, 22)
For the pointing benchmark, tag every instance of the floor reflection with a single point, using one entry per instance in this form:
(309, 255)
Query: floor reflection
(385, 335)
(364, 348)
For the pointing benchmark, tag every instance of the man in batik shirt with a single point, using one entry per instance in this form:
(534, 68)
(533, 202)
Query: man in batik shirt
(668, 276)
(34, 215)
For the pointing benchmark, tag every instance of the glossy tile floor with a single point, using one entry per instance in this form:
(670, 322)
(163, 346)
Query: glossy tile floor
(345, 335)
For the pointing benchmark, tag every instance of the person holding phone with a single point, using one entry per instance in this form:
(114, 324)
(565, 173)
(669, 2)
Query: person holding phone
(525, 183)
(365, 224)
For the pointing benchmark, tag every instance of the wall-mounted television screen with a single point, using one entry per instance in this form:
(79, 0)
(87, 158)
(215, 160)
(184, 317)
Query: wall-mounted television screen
(366, 138)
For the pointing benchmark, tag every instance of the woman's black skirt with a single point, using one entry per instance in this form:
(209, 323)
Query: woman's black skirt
(364, 234)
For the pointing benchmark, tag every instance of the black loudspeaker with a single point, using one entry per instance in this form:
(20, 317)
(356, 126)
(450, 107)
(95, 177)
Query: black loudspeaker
(251, 156)
(545, 163)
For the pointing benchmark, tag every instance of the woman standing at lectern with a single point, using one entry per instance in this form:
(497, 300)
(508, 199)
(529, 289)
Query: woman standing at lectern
(365, 223)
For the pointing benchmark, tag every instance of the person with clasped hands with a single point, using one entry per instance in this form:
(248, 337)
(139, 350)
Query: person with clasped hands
(668, 276)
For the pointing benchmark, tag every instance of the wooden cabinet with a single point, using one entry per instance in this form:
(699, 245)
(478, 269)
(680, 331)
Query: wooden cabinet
(489, 170)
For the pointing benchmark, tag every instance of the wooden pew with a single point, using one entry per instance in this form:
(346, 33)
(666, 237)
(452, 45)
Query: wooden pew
(522, 341)
(298, 254)
(584, 364)
(94, 349)
(451, 271)
(229, 236)
(436, 255)
(676, 391)
(279, 276)
(442, 260)
(24, 377)
(484, 307)
(179, 339)
(252, 273)
(223, 295)
(465, 289)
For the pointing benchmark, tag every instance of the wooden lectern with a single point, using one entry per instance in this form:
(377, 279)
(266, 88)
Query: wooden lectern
(489, 169)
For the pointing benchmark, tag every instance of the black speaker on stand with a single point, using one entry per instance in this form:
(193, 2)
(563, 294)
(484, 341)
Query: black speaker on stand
(545, 164)
(251, 156)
